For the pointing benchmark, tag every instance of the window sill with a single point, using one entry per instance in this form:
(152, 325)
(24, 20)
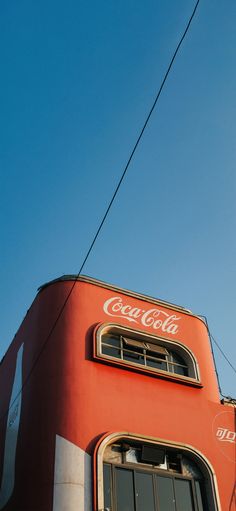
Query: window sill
(184, 380)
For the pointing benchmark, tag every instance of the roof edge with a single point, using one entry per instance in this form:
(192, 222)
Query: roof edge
(100, 283)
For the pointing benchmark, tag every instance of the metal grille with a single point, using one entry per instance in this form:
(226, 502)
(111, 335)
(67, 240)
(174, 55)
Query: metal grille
(143, 353)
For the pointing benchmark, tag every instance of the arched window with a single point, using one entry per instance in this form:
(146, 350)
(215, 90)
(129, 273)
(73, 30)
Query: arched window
(144, 476)
(145, 352)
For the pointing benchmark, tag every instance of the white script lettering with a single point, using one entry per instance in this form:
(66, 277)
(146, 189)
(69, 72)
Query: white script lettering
(154, 318)
(225, 435)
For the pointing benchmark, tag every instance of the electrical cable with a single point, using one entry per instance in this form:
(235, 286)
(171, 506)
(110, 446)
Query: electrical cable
(213, 354)
(111, 201)
(222, 353)
(139, 137)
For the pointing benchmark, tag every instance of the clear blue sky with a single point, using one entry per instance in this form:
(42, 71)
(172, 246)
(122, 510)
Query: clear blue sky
(77, 81)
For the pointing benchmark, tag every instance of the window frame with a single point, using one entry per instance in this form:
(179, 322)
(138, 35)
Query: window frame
(211, 487)
(172, 346)
(173, 476)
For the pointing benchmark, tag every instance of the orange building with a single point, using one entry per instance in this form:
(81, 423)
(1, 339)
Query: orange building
(109, 401)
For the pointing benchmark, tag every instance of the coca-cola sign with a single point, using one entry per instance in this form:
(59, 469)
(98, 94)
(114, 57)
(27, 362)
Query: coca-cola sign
(152, 318)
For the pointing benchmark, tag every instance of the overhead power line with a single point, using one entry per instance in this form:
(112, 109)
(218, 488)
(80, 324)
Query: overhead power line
(140, 136)
(112, 199)
(223, 353)
(212, 339)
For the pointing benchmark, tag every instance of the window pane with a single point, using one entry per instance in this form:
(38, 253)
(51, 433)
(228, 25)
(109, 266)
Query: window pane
(107, 485)
(199, 496)
(183, 493)
(112, 352)
(144, 491)
(165, 492)
(178, 369)
(113, 340)
(134, 358)
(133, 354)
(158, 364)
(124, 490)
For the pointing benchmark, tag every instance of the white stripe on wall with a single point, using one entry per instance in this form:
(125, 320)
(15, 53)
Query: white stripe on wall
(72, 478)
(13, 422)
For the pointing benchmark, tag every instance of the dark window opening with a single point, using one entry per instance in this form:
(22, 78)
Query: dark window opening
(143, 353)
(145, 477)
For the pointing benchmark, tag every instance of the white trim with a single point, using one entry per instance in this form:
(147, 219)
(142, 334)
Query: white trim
(105, 285)
(113, 437)
(170, 344)
(13, 422)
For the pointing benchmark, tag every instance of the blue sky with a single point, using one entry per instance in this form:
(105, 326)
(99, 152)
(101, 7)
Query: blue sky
(77, 81)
